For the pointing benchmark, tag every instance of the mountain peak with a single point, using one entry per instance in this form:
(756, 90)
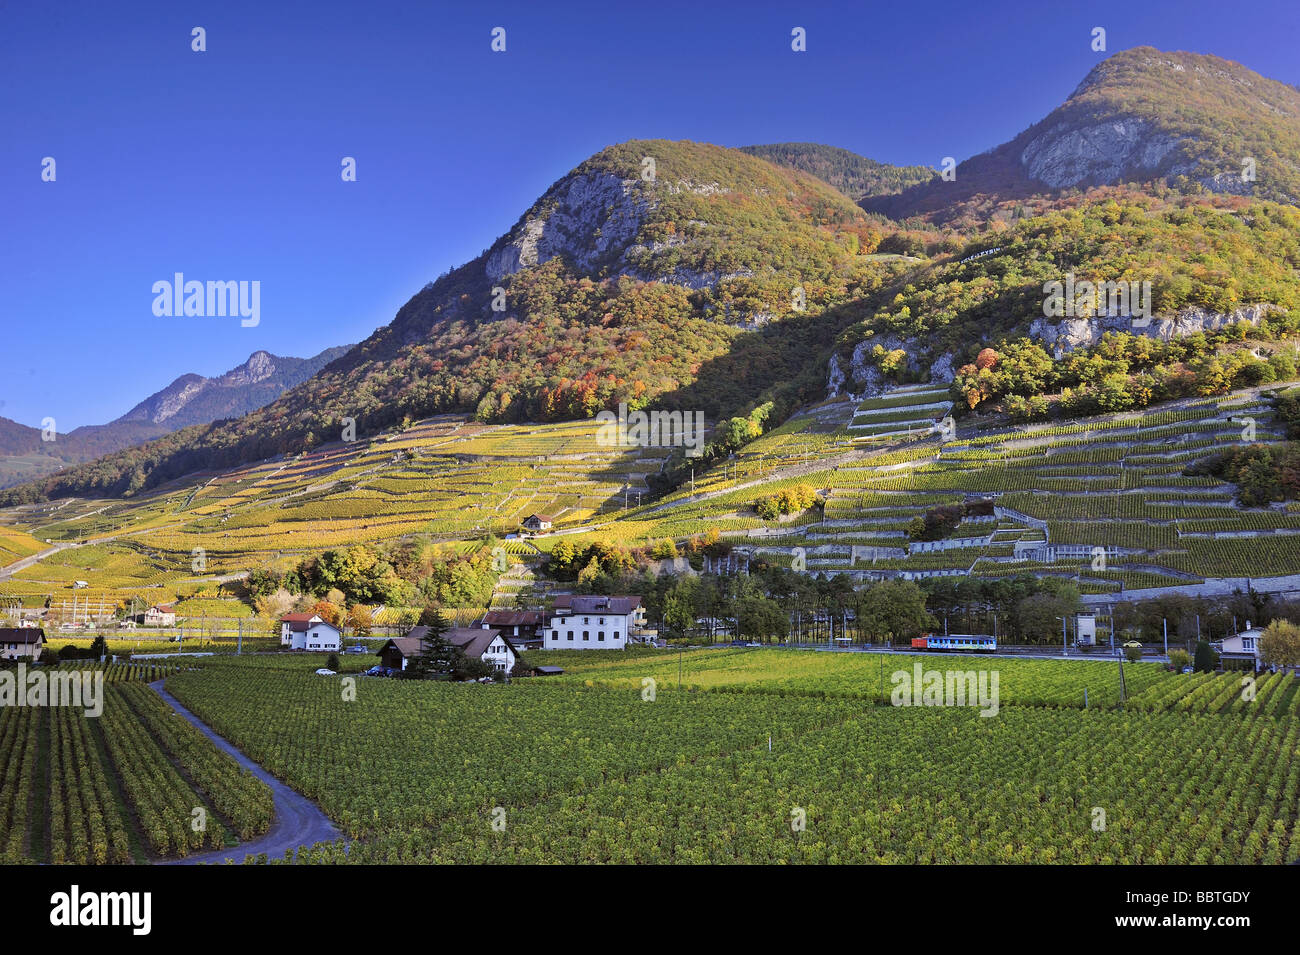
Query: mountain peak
(1196, 121)
(655, 209)
(194, 399)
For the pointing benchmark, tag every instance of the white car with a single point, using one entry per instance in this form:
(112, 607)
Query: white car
(325, 671)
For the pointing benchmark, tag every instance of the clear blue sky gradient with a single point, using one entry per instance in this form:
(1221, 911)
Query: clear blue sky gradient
(225, 164)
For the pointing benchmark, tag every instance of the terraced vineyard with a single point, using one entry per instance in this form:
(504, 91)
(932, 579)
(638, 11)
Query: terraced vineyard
(1101, 500)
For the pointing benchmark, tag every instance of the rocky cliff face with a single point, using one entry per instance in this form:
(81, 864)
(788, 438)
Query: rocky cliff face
(1068, 334)
(589, 216)
(1100, 152)
(593, 220)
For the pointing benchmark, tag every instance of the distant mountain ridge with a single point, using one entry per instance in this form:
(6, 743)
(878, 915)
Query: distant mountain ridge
(193, 399)
(189, 400)
(856, 176)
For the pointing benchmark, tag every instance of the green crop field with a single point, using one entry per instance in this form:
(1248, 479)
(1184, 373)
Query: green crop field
(774, 756)
(136, 783)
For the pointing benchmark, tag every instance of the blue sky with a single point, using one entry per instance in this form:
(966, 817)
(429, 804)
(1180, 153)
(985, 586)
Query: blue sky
(225, 164)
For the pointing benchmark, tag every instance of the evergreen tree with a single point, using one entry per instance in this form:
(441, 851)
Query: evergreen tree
(438, 657)
(1206, 658)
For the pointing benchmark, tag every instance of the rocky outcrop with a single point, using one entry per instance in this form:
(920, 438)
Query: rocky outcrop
(1103, 152)
(588, 217)
(835, 377)
(864, 380)
(594, 219)
(941, 372)
(1071, 333)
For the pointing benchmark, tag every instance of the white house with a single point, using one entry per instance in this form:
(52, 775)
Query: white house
(160, 615)
(1243, 647)
(538, 522)
(307, 631)
(595, 623)
(477, 643)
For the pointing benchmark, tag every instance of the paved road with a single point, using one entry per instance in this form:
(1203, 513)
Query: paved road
(298, 821)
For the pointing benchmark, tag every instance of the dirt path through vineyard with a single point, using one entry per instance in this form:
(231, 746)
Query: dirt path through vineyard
(298, 821)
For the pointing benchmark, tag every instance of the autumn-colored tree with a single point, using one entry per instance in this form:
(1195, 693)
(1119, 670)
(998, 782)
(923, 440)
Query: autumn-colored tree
(1280, 644)
(360, 618)
(327, 611)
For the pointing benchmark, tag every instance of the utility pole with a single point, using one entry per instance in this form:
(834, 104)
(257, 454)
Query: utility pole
(1165, 623)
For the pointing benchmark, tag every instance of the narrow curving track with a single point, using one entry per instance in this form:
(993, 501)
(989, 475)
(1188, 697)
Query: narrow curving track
(298, 821)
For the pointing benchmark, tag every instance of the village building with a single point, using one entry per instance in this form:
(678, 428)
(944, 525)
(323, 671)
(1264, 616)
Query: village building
(581, 622)
(521, 626)
(477, 643)
(538, 522)
(160, 615)
(308, 631)
(21, 643)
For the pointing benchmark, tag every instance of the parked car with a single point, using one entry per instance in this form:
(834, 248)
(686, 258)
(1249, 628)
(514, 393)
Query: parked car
(378, 671)
(326, 671)
(357, 649)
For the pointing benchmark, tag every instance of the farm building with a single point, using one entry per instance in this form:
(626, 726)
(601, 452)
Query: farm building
(521, 626)
(160, 615)
(307, 631)
(581, 622)
(477, 643)
(538, 522)
(21, 643)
